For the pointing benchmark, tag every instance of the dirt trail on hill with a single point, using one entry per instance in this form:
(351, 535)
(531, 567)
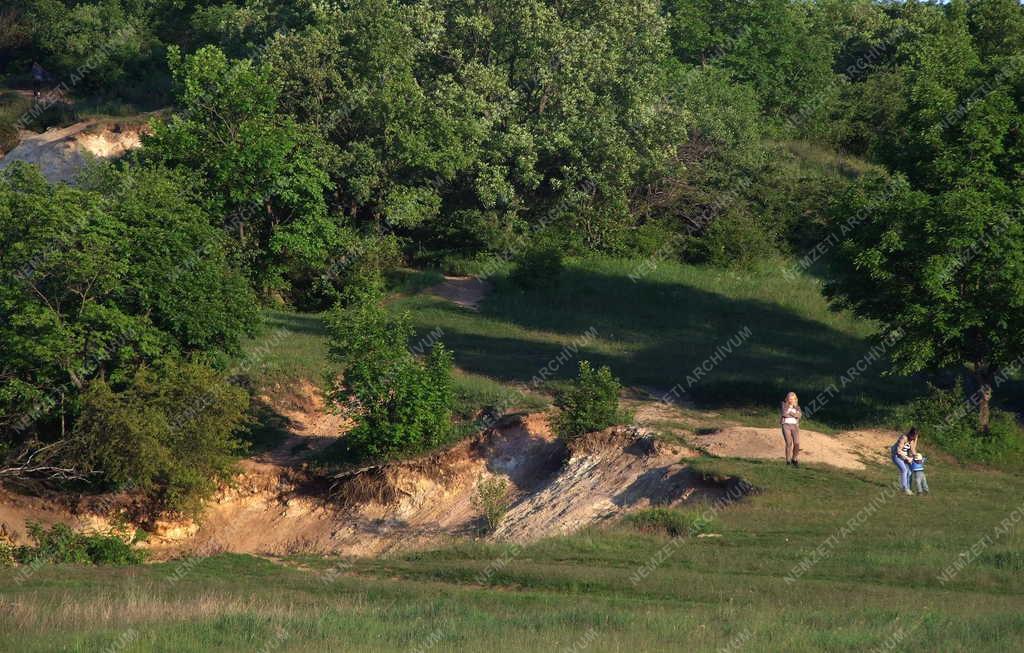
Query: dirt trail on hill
(846, 450)
(62, 153)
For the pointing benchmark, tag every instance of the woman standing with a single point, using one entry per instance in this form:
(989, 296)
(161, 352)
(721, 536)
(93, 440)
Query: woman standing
(789, 418)
(903, 451)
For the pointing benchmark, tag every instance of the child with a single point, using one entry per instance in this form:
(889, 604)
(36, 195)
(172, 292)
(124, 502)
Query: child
(917, 473)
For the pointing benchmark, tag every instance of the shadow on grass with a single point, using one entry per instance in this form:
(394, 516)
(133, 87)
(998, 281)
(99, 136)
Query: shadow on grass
(661, 335)
(307, 323)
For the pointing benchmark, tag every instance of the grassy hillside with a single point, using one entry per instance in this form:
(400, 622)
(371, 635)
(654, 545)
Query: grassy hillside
(654, 332)
(876, 584)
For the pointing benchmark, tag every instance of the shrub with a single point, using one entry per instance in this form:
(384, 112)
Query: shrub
(401, 403)
(6, 554)
(537, 266)
(170, 433)
(61, 544)
(674, 523)
(591, 404)
(492, 498)
(947, 418)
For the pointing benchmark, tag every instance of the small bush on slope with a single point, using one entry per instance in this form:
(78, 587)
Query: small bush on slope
(60, 544)
(170, 433)
(401, 403)
(591, 404)
(671, 522)
(491, 498)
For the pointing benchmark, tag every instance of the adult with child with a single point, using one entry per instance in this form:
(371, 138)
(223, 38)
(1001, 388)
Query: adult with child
(903, 452)
(789, 419)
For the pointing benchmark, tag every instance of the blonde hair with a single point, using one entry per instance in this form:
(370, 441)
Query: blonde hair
(796, 400)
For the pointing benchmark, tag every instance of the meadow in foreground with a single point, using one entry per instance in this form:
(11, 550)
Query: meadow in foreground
(880, 584)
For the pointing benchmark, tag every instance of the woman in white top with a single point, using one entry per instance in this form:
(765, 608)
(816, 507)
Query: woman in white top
(789, 418)
(903, 452)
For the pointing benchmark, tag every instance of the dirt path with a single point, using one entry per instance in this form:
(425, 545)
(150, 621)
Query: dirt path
(846, 450)
(466, 292)
(303, 414)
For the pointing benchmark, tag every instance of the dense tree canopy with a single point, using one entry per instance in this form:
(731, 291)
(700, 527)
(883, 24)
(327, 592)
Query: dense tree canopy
(307, 146)
(98, 280)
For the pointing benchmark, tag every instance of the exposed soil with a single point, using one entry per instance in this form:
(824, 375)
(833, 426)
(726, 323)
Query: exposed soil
(277, 505)
(424, 502)
(311, 427)
(847, 450)
(466, 292)
(62, 153)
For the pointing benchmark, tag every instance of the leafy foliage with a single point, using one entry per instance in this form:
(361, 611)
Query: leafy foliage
(946, 417)
(401, 403)
(264, 174)
(945, 271)
(99, 280)
(537, 266)
(62, 545)
(492, 498)
(170, 433)
(591, 404)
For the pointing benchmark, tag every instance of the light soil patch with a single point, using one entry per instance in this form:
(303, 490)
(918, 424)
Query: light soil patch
(311, 426)
(276, 506)
(847, 450)
(466, 292)
(62, 153)
(426, 502)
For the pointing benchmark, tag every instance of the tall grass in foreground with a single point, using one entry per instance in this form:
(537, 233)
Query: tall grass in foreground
(879, 579)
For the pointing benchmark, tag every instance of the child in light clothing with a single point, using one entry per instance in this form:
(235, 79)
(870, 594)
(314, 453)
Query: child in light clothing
(917, 474)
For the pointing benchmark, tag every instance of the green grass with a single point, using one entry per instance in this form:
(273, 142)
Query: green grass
(618, 587)
(289, 347)
(700, 594)
(656, 331)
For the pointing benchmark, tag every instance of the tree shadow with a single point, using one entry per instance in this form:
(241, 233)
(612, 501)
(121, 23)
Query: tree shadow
(720, 351)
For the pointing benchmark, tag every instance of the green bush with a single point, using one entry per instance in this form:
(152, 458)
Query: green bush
(6, 554)
(170, 433)
(674, 523)
(401, 403)
(61, 544)
(591, 404)
(492, 499)
(946, 418)
(537, 266)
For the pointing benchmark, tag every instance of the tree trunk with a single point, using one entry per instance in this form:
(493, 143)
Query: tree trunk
(983, 376)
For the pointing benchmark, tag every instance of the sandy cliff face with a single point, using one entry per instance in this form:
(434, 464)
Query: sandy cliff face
(62, 153)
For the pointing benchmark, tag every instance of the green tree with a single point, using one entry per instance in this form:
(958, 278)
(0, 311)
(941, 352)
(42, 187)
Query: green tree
(401, 404)
(940, 260)
(98, 280)
(491, 118)
(169, 433)
(263, 173)
(943, 272)
(773, 45)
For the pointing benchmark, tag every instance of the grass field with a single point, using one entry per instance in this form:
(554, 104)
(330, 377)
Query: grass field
(655, 331)
(875, 586)
(865, 566)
